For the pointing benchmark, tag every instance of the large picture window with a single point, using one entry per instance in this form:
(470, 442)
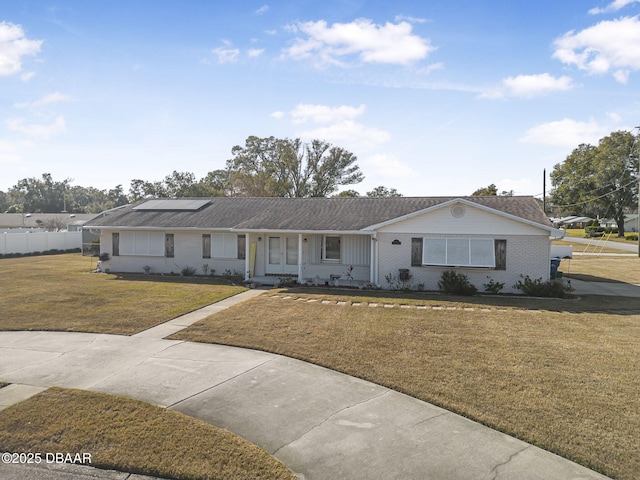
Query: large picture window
(459, 252)
(151, 244)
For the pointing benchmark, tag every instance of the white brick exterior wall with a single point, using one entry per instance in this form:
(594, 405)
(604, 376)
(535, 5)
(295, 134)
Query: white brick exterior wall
(526, 255)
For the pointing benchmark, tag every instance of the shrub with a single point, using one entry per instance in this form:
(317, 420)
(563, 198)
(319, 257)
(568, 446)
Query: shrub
(188, 271)
(591, 232)
(538, 288)
(104, 256)
(632, 237)
(492, 286)
(456, 283)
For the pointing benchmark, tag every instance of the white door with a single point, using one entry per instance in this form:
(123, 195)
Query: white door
(282, 255)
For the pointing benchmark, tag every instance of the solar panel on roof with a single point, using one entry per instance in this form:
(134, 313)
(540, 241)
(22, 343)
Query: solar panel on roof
(174, 205)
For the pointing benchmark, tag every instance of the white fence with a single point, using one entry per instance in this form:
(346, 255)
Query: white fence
(39, 241)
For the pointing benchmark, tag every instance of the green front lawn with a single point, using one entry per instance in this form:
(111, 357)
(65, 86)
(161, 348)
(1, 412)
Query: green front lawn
(60, 293)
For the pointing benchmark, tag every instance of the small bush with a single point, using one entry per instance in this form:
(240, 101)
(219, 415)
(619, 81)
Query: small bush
(538, 288)
(104, 256)
(492, 286)
(456, 283)
(188, 271)
(593, 232)
(632, 237)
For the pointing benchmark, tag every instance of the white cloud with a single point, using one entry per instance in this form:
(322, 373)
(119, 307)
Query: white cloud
(371, 43)
(614, 117)
(325, 114)
(532, 85)
(611, 45)
(26, 76)
(410, 19)
(14, 46)
(336, 125)
(263, 9)
(56, 97)
(566, 133)
(227, 53)
(529, 86)
(255, 52)
(348, 132)
(387, 166)
(37, 131)
(612, 7)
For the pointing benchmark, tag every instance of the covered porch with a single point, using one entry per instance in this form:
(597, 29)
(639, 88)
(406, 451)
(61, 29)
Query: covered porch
(325, 258)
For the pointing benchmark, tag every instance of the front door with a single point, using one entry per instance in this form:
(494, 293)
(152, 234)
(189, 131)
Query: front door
(282, 255)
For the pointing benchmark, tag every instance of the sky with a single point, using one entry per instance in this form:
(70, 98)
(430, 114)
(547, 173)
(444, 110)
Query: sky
(434, 98)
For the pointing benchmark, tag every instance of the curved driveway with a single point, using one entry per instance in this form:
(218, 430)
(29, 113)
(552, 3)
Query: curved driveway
(320, 423)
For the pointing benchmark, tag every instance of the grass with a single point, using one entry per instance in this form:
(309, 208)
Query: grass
(603, 269)
(580, 232)
(608, 247)
(132, 436)
(60, 293)
(561, 374)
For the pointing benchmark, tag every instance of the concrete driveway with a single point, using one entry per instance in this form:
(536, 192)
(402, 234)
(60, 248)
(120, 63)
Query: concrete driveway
(605, 288)
(320, 423)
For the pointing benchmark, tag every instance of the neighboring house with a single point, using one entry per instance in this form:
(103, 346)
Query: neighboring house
(64, 221)
(361, 240)
(572, 221)
(630, 222)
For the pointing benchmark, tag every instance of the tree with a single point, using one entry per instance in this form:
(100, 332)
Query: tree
(346, 194)
(382, 191)
(599, 181)
(42, 195)
(272, 167)
(489, 191)
(176, 185)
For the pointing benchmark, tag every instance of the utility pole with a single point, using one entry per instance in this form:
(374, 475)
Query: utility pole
(633, 160)
(544, 190)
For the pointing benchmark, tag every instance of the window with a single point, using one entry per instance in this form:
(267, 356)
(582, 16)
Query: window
(115, 244)
(459, 252)
(224, 245)
(331, 248)
(142, 243)
(168, 245)
(206, 245)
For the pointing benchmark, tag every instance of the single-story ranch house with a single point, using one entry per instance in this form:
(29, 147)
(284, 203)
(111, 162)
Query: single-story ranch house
(337, 241)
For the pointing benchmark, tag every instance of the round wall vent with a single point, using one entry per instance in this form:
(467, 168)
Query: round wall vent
(457, 211)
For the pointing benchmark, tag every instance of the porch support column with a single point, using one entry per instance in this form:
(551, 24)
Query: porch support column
(373, 268)
(247, 256)
(300, 258)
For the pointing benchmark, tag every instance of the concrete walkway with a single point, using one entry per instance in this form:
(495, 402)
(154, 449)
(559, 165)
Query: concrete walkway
(320, 423)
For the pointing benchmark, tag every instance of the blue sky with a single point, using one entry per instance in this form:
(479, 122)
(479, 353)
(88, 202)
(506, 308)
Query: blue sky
(434, 98)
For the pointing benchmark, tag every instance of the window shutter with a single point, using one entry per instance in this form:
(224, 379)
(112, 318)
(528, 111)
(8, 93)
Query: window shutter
(115, 244)
(242, 247)
(416, 252)
(168, 245)
(206, 245)
(501, 254)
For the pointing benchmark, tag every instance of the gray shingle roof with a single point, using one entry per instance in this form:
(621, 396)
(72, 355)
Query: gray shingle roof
(304, 214)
